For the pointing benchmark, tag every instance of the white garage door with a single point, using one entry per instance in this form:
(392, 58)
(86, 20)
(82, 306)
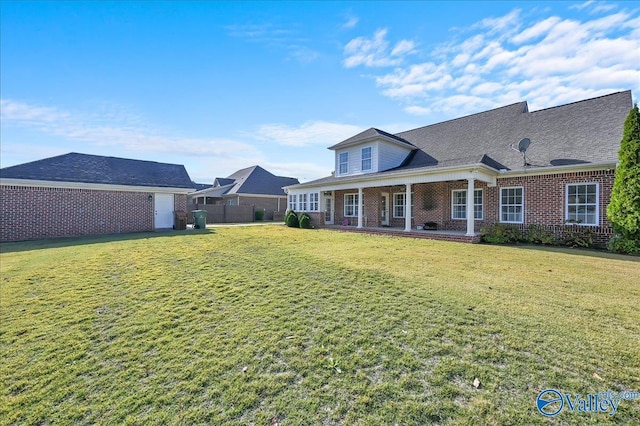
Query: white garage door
(164, 211)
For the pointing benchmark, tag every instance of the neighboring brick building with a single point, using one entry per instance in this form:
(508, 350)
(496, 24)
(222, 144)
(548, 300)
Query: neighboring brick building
(253, 186)
(78, 194)
(550, 168)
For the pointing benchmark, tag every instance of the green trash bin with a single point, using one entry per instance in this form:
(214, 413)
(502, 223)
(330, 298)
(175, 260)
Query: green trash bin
(199, 219)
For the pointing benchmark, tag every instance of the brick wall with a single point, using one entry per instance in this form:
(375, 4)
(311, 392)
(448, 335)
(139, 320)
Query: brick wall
(180, 202)
(30, 213)
(544, 202)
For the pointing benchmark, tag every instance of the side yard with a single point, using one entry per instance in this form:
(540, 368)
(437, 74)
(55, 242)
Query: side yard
(273, 325)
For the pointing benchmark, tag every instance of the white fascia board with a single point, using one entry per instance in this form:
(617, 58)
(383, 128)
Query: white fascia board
(94, 186)
(480, 172)
(372, 139)
(552, 170)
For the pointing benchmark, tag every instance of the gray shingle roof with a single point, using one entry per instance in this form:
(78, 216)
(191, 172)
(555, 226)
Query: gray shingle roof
(587, 131)
(582, 132)
(85, 168)
(200, 186)
(370, 134)
(222, 181)
(256, 180)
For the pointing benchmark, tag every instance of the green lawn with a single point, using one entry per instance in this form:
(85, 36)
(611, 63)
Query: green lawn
(265, 325)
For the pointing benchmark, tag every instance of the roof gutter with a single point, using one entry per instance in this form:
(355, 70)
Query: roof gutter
(548, 170)
(372, 177)
(95, 186)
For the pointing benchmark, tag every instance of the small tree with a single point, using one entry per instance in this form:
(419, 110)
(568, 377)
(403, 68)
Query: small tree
(624, 209)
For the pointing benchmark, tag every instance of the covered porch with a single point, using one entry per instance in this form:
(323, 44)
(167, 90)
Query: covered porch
(439, 204)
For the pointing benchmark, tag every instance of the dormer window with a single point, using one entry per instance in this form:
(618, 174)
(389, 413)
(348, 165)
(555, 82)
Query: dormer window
(343, 163)
(366, 158)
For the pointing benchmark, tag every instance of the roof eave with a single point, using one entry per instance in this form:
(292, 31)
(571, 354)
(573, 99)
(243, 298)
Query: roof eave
(559, 169)
(342, 145)
(401, 173)
(96, 186)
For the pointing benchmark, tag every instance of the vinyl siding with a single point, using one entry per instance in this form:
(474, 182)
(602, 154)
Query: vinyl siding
(390, 156)
(355, 159)
(384, 156)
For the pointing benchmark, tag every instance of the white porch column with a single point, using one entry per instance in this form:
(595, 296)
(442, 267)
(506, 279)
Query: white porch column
(407, 209)
(470, 209)
(360, 208)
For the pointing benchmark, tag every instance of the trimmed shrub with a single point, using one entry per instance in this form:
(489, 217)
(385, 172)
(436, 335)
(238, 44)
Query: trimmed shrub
(291, 219)
(578, 237)
(620, 244)
(259, 215)
(537, 234)
(501, 233)
(305, 221)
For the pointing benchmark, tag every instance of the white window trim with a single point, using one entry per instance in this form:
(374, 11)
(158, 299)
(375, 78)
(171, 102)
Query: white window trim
(344, 207)
(465, 204)
(393, 205)
(340, 163)
(302, 202)
(523, 204)
(362, 159)
(293, 202)
(314, 201)
(566, 202)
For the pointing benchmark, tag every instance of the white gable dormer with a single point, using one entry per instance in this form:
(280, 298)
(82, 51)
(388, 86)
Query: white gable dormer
(369, 152)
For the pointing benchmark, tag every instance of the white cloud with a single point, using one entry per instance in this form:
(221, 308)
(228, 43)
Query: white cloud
(538, 30)
(486, 89)
(302, 54)
(374, 52)
(546, 60)
(102, 131)
(417, 110)
(285, 38)
(403, 47)
(582, 5)
(309, 133)
(598, 7)
(350, 23)
(507, 24)
(301, 170)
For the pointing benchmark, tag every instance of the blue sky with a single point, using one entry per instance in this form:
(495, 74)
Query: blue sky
(219, 86)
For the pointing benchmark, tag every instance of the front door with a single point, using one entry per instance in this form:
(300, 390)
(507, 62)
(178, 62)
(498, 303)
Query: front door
(384, 209)
(163, 214)
(328, 210)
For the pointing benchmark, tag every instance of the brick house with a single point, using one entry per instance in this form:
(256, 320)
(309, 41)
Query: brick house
(252, 186)
(550, 168)
(78, 194)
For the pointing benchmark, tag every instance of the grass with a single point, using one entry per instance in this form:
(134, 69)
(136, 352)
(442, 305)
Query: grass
(265, 325)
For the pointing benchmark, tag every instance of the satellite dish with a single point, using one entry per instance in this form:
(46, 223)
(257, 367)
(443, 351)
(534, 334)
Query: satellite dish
(523, 145)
